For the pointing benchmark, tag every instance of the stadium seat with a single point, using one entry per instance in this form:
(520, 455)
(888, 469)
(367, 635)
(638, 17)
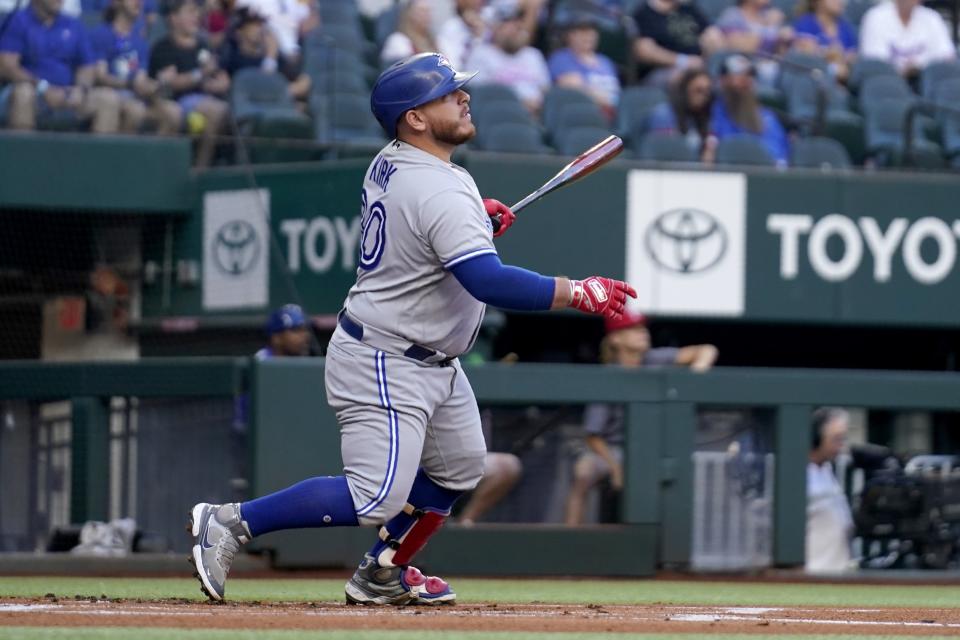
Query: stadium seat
(501, 111)
(798, 65)
(819, 153)
(665, 147)
(884, 132)
(334, 82)
(951, 138)
(803, 96)
(570, 116)
(264, 109)
(345, 117)
(855, 9)
(339, 13)
(576, 140)
(634, 109)
(865, 68)
(490, 91)
(743, 150)
(713, 8)
(878, 88)
(512, 137)
(846, 128)
(346, 38)
(558, 97)
(255, 95)
(947, 95)
(934, 74)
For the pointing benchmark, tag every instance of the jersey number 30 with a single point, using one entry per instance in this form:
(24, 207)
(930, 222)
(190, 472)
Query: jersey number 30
(373, 236)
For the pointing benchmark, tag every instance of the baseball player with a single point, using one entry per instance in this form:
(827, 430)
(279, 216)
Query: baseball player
(411, 438)
(287, 333)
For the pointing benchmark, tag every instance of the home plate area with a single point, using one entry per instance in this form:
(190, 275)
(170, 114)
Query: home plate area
(78, 612)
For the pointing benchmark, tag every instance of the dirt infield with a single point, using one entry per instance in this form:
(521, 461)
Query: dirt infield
(56, 612)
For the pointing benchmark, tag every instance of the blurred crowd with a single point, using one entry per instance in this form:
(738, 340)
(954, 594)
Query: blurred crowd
(769, 82)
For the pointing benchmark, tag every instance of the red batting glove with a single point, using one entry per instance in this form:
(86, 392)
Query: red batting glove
(501, 215)
(602, 296)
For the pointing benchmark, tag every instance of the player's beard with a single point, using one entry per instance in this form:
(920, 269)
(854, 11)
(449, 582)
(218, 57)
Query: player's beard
(454, 133)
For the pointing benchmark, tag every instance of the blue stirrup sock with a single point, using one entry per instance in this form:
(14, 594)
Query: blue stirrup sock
(425, 495)
(318, 502)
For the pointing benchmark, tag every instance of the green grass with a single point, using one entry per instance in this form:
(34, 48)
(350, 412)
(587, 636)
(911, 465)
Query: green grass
(515, 591)
(115, 633)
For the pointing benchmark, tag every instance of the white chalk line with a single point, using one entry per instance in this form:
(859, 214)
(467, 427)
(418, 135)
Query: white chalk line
(683, 614)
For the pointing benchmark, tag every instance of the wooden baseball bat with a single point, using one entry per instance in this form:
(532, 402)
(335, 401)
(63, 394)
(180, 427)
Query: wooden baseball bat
(581, 166)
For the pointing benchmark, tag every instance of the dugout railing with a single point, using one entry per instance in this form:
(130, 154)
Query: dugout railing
(293, 435)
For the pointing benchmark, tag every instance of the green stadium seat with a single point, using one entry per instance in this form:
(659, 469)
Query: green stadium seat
(819, 153)
(665, 147)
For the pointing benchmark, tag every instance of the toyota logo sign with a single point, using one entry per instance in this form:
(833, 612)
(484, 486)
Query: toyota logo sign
(236, 247)
(686, 240)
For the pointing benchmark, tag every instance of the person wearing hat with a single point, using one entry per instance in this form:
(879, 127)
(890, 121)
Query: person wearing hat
(578, 65)
(737, 111)
(250, 44)
(626, 344)
(188, 73)
(287, 334)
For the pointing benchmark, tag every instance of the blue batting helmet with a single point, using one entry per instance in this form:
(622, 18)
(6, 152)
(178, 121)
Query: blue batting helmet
(289, 316)
(410, 83)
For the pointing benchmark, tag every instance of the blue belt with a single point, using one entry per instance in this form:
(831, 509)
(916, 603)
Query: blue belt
(415, 351)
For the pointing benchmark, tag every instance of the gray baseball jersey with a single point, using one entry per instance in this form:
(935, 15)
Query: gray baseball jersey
(420, 216)
(397, 414)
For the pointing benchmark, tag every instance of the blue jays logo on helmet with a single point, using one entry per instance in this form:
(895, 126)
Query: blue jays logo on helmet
(410, 83)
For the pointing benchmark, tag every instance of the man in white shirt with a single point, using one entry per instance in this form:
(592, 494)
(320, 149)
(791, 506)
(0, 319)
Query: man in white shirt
(289, 20)
(461, 33)
(829, 522)
(510, 60)
(905, 34)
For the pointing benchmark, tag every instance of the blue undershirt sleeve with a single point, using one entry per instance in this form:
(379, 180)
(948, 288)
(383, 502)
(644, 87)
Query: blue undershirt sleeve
(494, 283)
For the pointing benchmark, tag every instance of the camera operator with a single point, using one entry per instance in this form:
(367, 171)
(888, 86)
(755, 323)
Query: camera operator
(829, 521)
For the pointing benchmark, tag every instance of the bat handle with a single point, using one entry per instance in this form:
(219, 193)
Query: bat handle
(495, 221)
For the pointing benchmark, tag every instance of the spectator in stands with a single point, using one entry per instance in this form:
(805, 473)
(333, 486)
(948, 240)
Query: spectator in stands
(737, 111)
(688, 113)
(822, 30)
(188, 72)
(47, 58)
(462, 32)
(148, 10)
(510, 60)
(829, 522)
(251, 45)
(121, 49)
(906, 35)
(673, 36)
(216, 21)
(413, 35)
(289, 21)
(755, 26)
(288, 334)
(627, 344)
(579, 66)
